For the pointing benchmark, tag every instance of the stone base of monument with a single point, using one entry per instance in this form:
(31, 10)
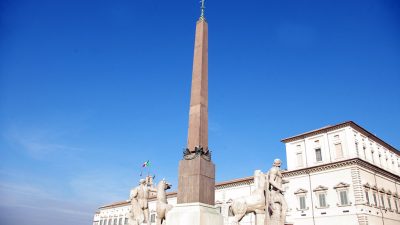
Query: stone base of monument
(194, 214)
(260, 217)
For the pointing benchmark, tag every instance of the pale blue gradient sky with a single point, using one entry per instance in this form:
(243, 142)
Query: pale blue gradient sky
(91, 89)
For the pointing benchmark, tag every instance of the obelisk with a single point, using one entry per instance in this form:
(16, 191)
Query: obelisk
(196, 184)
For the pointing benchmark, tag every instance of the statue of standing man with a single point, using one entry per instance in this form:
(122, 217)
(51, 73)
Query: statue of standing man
(275, 210)
(139, 202)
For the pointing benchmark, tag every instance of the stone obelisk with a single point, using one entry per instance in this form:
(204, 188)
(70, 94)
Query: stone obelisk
(196, 184)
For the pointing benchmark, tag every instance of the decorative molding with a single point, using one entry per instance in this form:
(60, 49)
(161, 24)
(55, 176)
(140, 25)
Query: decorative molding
(302, 210)
(198, 151)
(320, 188)
(319, 207)
(300, 191)
(348, 204)
(341, 185)
(341, 164)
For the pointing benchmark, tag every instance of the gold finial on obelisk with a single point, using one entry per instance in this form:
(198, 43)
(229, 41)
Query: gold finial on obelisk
(202, 17)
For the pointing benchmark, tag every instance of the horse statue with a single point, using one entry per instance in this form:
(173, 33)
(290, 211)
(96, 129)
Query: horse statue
(162, 206)
(255, 203)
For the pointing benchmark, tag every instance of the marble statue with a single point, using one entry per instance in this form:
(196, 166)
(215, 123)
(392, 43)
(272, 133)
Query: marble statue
(139, 202)
(255, 203)
(275, 213)
(162, 206)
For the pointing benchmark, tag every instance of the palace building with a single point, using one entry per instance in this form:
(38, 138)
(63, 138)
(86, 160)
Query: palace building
(340, 174)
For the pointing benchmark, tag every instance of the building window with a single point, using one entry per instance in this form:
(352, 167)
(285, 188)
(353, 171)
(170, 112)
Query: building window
(356, 143)
(126, 221)
(318, 155)
(302, 202)
(343, 197)
(372, 153)
(115, 221)
(153, 218)
(383, 201)
(299, 156)
(322, 200)
(389, 203)
(367, 196)
(109, 221)
(301, 196)
(101, 222)
(365, 152)
(320, 193)
(339, 150)
(395, 204)
(375, 199)
(342, 191)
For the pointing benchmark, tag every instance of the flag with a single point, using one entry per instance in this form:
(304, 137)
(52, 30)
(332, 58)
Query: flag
(146, 164)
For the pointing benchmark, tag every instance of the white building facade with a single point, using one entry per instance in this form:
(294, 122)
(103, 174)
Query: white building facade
(339, 174)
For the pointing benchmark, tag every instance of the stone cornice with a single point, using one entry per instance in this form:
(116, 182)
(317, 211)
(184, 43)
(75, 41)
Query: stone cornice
(235, 183)
(339, 126)
(315, 132)
(341, 164)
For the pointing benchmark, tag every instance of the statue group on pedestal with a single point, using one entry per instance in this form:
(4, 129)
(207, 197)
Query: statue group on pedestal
(139, 212)
(266, 201)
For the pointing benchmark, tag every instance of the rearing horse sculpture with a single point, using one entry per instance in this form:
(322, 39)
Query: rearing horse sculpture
(162, 206)
(250, 204)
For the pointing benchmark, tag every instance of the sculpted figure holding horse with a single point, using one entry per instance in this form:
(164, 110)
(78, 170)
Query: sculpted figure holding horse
(139, 202)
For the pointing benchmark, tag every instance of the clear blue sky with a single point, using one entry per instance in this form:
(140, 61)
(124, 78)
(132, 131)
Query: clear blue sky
(91, 89)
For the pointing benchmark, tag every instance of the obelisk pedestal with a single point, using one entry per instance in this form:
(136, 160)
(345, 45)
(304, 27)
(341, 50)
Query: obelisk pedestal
(194, 214)
(196, 181)
(196, 195)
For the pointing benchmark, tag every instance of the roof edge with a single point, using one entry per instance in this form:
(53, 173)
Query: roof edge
(340, 125)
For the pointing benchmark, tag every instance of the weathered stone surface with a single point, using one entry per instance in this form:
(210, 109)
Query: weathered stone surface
(194, 214)
(196, 181)
(198, 114)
